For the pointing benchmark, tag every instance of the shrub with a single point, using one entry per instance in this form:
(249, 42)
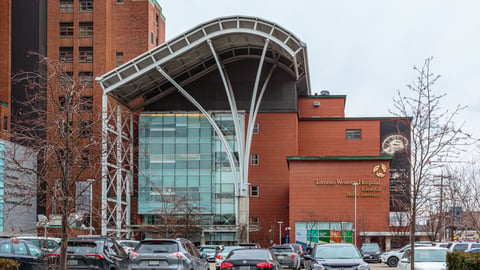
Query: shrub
(8, 264)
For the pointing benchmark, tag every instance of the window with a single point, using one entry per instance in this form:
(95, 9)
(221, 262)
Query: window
(82, 196)
(152, 38)
(66, 6)
(66, 29)
(256, 128)
(85, 128)
(120, 1)
(254, 159)
(86, 5)
(353, 134)
(85, 78)
(85, 158)
(65, 79)
(86, 104)
(254, 221)
(66, 54)
(85, 29)
(118, 59)
(64, 127)
(5, 123)
(254, 192)
(85, 54)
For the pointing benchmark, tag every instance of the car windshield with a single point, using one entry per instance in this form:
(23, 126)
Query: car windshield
(370, 247)
(129, 244)
(430, 255)
(157, 247)
(336, 252)
(227, 250)
(283, 250)
(249, 254)
(82, 247)
(207, 249)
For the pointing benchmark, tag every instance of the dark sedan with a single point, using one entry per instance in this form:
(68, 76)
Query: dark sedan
(28, 254)
(250, 259)
(335, 256)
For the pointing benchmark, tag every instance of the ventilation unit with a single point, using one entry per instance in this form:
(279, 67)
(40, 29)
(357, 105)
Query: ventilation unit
(316, 104)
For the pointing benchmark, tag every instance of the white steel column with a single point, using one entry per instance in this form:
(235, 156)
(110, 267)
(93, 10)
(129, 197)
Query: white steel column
(118, 173)
(104, 163)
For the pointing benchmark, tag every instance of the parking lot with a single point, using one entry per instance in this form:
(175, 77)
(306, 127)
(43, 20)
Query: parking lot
(373, 266)
(380, 266)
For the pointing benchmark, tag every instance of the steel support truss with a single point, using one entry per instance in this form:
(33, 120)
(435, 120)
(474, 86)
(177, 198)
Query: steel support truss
(117, 169)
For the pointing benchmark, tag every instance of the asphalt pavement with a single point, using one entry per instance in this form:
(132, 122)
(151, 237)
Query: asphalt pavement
(374, 266)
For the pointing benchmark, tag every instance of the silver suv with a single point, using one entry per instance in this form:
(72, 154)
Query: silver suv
(178, 254)
(393, 256)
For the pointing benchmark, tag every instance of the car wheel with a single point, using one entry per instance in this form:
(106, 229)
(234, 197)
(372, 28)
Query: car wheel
(392, 261)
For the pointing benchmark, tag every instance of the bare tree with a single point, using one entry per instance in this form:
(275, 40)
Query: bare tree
(61, 124)
(435, 138)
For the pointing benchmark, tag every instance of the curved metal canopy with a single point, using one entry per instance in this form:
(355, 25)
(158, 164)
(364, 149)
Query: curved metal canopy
(188, 57)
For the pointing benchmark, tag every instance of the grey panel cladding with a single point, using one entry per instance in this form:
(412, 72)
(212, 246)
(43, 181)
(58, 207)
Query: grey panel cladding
(280, 95)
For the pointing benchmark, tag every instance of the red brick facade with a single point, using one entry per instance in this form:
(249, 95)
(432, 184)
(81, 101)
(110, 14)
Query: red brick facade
(122, 30)
(307, 167)
(5, 67)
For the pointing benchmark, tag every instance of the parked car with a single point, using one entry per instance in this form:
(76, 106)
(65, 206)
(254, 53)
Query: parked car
(92, 252)
(223, 254)
(179, 254)
(462, 246)
(441, 244)
(48, 244)
(250, 245)
(371, 252)
(209, 251)
(300, 249)
(426, 258)
(251, 258)
(393, 256)
(335, 256)
(286, 256)
(28, 254)
(473, 250)
(128, 245)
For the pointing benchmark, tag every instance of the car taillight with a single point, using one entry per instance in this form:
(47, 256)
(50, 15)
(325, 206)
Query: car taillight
(50, 255)
(226, 265)
(218, 257)
(264, 265)
(301, 254)
(179, 255)
(133, 254)
(95, 256)
(293, 256)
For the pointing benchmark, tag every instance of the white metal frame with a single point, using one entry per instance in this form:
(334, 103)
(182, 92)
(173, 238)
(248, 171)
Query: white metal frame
(128, 83)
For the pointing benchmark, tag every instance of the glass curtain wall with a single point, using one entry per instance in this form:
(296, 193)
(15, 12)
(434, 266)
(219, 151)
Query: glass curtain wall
(183, 167)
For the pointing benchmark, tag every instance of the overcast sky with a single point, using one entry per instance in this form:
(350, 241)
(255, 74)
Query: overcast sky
(366, 49)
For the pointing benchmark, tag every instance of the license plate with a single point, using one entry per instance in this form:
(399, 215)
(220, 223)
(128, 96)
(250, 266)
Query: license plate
(72, 262)
(280, 257)
(153, 263)
(244, 268)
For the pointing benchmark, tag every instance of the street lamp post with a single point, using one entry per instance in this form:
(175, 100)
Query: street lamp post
(280, 231)
(91, 181)
(355, 214)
